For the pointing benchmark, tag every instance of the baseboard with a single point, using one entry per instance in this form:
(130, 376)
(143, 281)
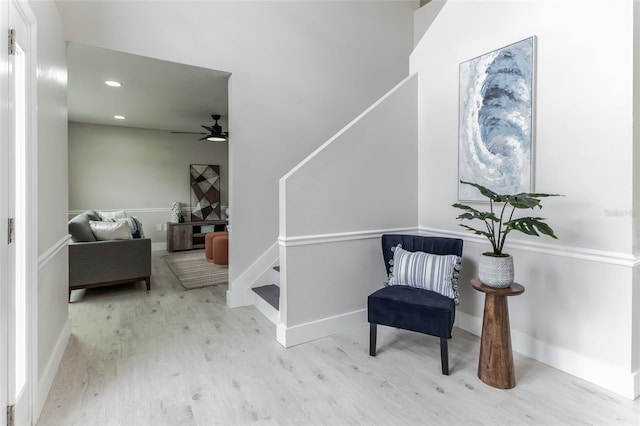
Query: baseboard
(468, 323)
(614, 379)
(239, 293)
(158, 246)
(303, 333)
(49, 374)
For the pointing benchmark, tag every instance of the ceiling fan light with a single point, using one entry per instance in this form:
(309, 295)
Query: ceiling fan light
(113, 83)
(214, 138)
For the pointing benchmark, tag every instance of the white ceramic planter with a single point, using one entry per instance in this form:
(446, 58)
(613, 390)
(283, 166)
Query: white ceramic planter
(496, 271)
(175, 212)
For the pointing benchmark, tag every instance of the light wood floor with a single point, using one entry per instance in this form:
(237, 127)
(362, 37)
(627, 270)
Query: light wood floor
(175, 357)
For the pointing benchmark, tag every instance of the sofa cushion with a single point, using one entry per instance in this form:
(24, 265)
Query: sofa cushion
(135, 226)
(80, 229)
(105, 231)
(93, 215)
(412, 308)
(112, 216)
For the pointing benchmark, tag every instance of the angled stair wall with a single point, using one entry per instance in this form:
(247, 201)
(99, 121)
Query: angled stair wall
(333, 208)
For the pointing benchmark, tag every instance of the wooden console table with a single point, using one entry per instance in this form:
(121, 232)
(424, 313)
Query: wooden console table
(190, 235)
(495, 366)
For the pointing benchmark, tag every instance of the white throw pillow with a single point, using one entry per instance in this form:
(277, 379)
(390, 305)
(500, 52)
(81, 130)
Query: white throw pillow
(105, 231)
(438, 273)
(112, 216)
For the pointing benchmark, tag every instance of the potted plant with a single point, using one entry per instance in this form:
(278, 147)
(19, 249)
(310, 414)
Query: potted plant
(496, 267)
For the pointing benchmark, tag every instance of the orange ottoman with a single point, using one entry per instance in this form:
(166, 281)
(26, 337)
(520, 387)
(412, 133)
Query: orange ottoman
(217, 251)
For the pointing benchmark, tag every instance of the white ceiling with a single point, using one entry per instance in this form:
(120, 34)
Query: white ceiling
(154, 94)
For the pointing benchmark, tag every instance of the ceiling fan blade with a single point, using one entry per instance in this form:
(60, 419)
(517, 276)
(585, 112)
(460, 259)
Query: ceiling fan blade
(213, 132)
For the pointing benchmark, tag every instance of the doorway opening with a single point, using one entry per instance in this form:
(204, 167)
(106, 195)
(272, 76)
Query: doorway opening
(134, 135)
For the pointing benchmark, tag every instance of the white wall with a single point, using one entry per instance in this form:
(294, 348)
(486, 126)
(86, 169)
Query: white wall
(363, 178)
(300, 72)
(636, 130)
(334, 206)
(53, 284)
(577, 311)
(636, 192)
(137, 170)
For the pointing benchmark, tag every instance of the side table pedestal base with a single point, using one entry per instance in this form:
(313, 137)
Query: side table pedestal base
(495, 364)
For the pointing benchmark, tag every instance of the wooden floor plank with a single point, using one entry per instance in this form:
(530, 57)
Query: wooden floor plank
(175, 357)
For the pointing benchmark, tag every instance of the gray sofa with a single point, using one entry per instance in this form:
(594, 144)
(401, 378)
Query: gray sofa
(94, 263)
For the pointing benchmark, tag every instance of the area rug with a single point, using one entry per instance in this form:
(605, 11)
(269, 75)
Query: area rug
(194, 271)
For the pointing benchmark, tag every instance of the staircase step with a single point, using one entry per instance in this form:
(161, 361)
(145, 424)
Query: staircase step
(270, 293)
(277, 268)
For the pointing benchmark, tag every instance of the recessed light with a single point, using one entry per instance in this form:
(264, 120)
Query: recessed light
(119, 117)
(113, 83)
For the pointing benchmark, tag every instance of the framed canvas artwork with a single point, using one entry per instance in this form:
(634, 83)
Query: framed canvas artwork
(495, 130)
(205, 192)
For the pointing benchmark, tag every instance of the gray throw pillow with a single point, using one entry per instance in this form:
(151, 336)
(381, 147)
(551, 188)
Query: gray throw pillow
(80, 229)
(93, 215)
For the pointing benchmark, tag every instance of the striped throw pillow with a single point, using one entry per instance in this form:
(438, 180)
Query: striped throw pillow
(438, 273)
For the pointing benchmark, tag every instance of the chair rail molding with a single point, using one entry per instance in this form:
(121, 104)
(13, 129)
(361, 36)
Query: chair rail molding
(141, 210)
(52, 251)
(304, 240)
(601, 256)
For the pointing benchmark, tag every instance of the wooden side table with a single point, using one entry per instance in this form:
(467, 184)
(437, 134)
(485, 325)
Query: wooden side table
(495, 366)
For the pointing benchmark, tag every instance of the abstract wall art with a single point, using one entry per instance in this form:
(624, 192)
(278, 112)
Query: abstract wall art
(495, 131)
(205, 192)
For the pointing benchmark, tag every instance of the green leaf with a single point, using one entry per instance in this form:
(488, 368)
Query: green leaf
(472, 213)
(522, 201)
(538, 195)
(478, 232)
(527, 200)
(485, 191)
(531, 226)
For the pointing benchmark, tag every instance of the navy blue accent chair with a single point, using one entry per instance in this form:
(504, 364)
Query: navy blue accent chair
(411, 308)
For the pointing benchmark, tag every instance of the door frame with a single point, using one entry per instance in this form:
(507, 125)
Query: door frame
(28, 40)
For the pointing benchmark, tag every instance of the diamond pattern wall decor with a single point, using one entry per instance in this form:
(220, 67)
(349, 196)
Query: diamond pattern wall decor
(205, 192)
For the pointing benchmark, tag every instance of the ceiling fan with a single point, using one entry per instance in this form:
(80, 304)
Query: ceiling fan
(214, 133)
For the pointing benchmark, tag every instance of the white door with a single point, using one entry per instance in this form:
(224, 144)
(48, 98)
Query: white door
(18, 287)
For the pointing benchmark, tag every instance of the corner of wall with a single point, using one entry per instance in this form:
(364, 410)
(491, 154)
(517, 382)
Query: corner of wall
(424, 17)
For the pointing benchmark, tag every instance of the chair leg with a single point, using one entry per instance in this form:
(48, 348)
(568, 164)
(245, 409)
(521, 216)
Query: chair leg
(372, 338)
(444, 356)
